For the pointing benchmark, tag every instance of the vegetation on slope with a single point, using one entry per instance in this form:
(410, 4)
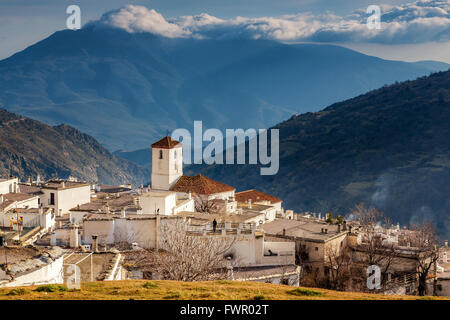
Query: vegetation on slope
(29, 147)
(389, 148)
(174, 290)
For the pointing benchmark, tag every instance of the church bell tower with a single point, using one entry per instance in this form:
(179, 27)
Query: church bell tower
(167, 163)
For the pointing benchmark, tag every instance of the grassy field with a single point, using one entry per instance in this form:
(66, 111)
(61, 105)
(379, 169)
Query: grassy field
(167, 290)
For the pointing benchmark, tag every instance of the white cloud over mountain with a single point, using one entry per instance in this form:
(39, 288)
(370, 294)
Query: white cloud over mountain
(416, 22)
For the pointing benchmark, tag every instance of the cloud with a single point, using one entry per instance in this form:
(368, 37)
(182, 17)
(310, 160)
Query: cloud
(140, 19)
(416, 22)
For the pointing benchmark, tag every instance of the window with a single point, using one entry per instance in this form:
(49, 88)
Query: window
(316, 248)
(52, 199)
(160, 154)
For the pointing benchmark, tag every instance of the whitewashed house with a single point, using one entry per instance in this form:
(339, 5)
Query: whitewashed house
(62, 195)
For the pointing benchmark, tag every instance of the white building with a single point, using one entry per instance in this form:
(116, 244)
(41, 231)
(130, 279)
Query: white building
(63, 195)
(164, 203)
(9, 185)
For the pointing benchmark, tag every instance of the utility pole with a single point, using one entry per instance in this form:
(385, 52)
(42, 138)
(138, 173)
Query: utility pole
(4, 242)
(92, 267)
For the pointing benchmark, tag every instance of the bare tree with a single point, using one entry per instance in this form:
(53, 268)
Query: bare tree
(424, 240)
(190, 257)
(204, 204)
(338, 263)
(374, 249)
(368, 217)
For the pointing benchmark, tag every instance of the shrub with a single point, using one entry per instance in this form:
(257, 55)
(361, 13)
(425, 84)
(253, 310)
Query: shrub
(18, 292)
(259, 297)
(51, 288)
(150, 285)
(305, 292)
(172, 295)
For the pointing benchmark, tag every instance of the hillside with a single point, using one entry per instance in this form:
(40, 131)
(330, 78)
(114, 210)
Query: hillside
(175, 290)
(28, 147)
(141, 157)
(127, 89)
(389, 148)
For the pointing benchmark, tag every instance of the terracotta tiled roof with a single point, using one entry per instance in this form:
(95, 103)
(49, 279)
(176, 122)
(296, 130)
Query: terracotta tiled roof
(200, 184)
(125, 201)
(17, 196)
(29, 189)
(166, 143)
(113, 189)
(256, 196)
(63, 184)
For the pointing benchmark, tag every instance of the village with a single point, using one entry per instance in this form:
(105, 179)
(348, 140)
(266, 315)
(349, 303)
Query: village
(193, 228)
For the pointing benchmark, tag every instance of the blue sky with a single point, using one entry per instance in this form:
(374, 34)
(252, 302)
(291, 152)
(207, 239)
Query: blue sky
(24, 22)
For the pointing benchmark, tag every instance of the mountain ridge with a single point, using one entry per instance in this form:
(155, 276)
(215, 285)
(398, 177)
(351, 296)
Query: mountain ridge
(135, 87)
(389, 148)
(28, 147)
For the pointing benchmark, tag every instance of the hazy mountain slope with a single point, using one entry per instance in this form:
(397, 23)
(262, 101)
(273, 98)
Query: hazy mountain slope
(126, 89)
(28, 147)
(141, 157)
(389, 148)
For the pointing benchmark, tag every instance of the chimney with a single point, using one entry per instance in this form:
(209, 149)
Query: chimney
(53, 239)
(63, 184)
(445, 242)
(345, 226)
(123, 213)
(31, 179)
(74, 236)
(249, 203)
(95, 243)
(339, 228)
(189, 195)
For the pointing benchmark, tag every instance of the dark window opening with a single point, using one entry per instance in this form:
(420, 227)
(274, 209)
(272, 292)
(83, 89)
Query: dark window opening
(52, 199)
(160, 154)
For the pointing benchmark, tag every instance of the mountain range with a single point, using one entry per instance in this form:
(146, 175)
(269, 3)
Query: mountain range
(29, 147)
(388, 148)
(127, 89)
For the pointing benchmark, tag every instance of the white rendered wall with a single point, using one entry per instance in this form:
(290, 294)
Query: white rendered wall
(187, 205)
(7, 186)
(142, 231)
(51, 273)
(166, 171)
(66, 199)
(153, 201)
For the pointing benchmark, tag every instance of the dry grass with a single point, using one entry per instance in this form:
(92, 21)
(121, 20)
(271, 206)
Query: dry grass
(214, 290)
